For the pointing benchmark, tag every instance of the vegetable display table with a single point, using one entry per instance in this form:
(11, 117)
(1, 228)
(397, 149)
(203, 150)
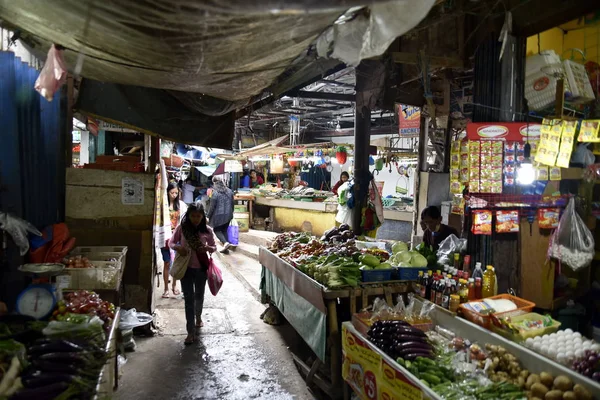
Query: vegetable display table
(316, 312)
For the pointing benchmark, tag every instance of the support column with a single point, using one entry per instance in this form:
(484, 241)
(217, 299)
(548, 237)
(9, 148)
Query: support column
(362, 135)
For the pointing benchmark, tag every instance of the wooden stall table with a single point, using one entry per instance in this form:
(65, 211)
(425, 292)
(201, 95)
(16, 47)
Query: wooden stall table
(316, 313)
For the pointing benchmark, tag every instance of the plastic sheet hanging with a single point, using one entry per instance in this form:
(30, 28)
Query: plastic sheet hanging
(18, 229)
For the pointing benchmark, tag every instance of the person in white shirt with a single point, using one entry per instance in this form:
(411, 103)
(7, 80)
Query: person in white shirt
(188, 191)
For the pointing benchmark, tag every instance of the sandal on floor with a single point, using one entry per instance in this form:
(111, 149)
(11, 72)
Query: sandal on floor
(199, 325)
(176, 292)
(189, 340)
(166, 295)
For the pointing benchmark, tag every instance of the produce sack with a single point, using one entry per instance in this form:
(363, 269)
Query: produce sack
(233, 232)
(215, 279)
(180, 264)
(572, 243)
(53, 75)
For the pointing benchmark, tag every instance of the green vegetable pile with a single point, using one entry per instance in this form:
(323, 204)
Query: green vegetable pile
(471, 389)
(428, 371)
(421, 257)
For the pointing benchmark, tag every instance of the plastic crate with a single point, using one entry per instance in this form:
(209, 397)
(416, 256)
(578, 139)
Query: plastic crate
(104, 276)
(376, 275)
(485, 320)
(102, 253)
(410, 274)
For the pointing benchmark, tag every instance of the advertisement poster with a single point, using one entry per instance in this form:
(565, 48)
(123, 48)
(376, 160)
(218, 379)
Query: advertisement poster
(370, 375)
(409, 120)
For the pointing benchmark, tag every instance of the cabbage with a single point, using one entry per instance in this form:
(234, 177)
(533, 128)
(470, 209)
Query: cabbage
(405, 265)
(399, 247)
(403, 257)
(418, 261)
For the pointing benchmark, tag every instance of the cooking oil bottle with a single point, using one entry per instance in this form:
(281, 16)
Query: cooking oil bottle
(489, 282)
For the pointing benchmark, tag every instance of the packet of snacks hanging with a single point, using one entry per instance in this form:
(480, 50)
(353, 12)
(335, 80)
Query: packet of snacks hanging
(548, 218)
(566, 143)
(507, 221)
(549, 145)
(481, 222)
(589, 130)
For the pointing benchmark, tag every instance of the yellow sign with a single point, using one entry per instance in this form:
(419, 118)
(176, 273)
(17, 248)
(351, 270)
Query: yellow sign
(370, 375)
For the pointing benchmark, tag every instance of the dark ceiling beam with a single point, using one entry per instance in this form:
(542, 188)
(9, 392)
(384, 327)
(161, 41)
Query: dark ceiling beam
(323, 96)
(383, 130)
(434, 61)
(537, 16)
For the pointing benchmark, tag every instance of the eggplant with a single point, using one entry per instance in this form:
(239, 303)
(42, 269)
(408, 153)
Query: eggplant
(55, 346)
(348, 235)
(405, 337)
(47, 392)
(49, 366)
(344, 227)
(331, 232)
(409, 330)
(413, 350)
(40, 379)
(407, 345)
(335, 238)
(323, 238)
(62, 358)
(412, 356)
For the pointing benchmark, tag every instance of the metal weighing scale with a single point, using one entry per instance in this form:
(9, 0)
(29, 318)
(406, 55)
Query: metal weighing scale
(39, 299)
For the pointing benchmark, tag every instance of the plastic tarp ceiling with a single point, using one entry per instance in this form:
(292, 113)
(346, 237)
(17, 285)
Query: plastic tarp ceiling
(197, 59)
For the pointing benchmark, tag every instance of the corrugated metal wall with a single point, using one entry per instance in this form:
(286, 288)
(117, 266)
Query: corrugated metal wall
(32, 152)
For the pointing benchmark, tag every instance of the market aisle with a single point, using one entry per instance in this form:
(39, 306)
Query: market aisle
(237, 356)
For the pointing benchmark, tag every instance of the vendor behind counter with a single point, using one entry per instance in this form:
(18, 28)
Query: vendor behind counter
(434, 231)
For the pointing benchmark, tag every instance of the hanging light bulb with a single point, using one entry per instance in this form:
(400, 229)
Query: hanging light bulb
(338, 127)
(526, 172)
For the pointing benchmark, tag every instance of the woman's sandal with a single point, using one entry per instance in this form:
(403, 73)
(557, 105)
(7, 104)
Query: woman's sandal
(176, 292)
(189, 340)
(166, 295)
(199, 324)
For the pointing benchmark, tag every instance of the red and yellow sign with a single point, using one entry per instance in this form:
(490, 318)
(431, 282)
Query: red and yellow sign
(508, 131)
(371, 376)
(409, 119)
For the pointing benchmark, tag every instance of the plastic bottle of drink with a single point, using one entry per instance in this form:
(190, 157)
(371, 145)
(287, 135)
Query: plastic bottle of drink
(495, 282)
(446, 295)
(477, 272)
(463, 291)
(489, 282)
(419, 283)
(439, 296)
(456, 260)
(478, 288)
(433, 291)
(424, 285)
(467, 263)
(471, 289)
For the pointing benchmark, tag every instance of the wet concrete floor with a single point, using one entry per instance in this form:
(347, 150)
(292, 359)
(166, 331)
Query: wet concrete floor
(237, 355)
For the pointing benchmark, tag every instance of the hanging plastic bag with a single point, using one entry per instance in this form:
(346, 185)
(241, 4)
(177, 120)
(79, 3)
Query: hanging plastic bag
(572, 243)
(448, 247)
(215, 279)
(53, 75)
(132, 319)
(18, 229)
(233, 232)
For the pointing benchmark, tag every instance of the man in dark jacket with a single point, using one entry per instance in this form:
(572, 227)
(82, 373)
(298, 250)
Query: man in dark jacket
(220, 211)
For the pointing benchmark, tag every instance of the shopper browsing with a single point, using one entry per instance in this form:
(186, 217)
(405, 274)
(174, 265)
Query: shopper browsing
(177, 209)
(188, 191)
(220, 211)
(344, 177)
(194, 235)
(435, 231)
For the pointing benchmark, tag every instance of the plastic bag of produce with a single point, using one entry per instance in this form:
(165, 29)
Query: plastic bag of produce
(88, 327)
(572, 243)
(53, 75)
(448, 247)
(132, 319)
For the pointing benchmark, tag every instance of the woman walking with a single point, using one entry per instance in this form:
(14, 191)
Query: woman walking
(193, 235)
(177, 210)
(220, 211)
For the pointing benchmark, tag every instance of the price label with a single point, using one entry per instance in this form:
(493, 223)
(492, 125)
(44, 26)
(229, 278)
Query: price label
(370, 385)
